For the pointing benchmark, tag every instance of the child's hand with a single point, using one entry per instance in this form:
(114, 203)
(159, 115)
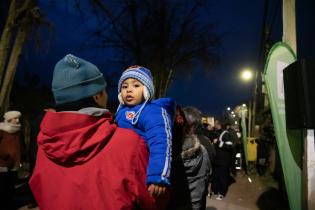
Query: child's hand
(156, 190)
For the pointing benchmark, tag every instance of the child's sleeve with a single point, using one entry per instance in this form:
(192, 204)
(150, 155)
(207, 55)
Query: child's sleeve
(158, 125)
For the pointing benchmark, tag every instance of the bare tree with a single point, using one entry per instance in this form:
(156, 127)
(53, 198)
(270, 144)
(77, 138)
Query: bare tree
(167, 36)
(6, 38)
(23, 17)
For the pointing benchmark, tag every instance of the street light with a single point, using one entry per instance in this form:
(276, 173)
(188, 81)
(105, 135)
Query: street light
(247, 75)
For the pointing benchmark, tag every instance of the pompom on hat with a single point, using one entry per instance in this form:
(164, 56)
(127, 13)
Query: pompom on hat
(75, 78)
(11, 115)
(141, 74)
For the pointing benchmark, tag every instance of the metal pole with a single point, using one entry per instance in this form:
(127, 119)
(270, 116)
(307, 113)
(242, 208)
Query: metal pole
(250, 107)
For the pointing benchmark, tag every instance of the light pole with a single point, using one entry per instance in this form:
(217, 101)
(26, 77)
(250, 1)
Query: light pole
(247, 75)
(243, 110)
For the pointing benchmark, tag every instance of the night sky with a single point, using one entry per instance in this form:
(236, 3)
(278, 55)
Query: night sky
(239, 22)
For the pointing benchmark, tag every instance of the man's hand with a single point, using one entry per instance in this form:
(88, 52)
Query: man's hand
(156, 190)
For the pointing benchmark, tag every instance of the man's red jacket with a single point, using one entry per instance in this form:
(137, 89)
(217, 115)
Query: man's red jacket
(87, 162)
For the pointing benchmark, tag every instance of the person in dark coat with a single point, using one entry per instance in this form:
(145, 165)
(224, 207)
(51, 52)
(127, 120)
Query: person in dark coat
(224, 156)
(180, 196)
(10, 158)
(235, 140)
(194, 125)
(197, 169)
(197, 153)
(191, 167)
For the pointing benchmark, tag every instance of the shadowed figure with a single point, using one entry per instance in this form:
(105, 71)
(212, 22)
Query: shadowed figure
(191, 165)
(272, 199)
(180, 196)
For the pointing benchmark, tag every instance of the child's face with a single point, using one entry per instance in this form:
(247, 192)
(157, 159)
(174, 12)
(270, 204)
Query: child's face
(132, 92)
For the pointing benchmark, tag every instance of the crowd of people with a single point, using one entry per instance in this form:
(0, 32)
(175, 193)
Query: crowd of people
(150, 154)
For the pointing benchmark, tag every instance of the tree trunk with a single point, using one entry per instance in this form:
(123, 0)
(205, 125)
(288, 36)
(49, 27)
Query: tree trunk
(168, 81)
(162, 82)
(158, 85)
(6, 38)
(12, 65)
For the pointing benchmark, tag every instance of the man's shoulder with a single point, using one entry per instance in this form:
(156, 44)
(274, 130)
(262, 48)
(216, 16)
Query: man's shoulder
(128, 141)
(127, 135)
(127, 132)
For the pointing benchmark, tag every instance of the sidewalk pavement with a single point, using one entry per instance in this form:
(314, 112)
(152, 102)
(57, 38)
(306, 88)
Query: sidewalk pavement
(249, 192)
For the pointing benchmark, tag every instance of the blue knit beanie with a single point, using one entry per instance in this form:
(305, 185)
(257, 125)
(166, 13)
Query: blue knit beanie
(75, 79)
(139, 73)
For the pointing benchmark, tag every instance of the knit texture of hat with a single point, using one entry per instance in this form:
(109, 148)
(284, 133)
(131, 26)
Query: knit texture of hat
(75, 79)
(11, 114)
(141, 74)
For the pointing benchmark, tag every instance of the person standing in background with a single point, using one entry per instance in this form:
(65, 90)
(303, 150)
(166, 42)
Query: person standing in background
(196, 159)
(224, 145)
(10, 157)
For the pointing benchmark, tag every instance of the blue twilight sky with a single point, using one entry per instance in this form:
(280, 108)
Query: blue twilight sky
(240, 23)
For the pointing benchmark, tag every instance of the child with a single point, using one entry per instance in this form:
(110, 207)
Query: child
(151, 119)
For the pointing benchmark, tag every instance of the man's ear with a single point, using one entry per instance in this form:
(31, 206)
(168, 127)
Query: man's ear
(101, 99)
(97, 96)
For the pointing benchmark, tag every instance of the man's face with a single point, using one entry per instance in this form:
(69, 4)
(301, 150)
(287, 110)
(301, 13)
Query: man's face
(132, 92)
